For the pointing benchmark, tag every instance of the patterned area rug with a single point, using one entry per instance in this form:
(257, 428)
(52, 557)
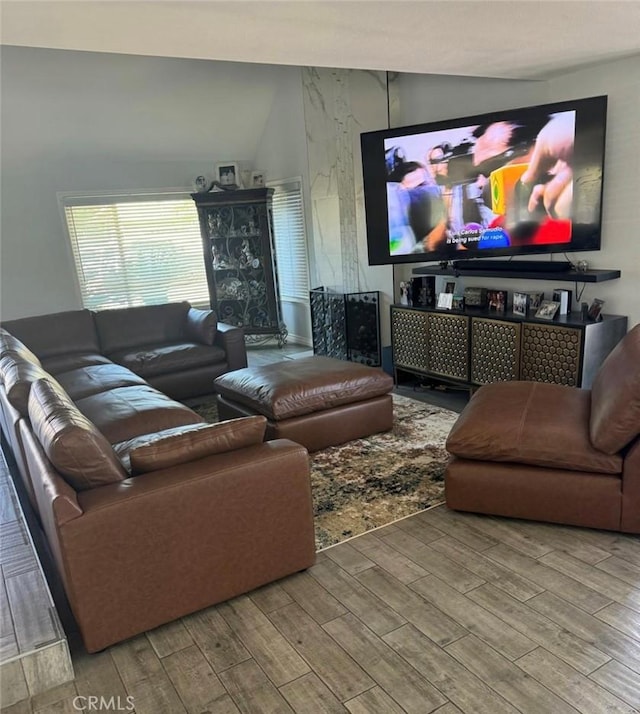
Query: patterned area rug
(370, 482)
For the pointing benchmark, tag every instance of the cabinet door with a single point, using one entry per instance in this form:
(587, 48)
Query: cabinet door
(409, 340)
(243, 289)
(448, 345)
(551, 353)
(495, 350)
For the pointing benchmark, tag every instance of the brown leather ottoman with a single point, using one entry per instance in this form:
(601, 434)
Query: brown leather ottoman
(315, 401)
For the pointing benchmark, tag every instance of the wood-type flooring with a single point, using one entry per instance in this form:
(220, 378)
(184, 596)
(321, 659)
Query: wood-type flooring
(442, 612)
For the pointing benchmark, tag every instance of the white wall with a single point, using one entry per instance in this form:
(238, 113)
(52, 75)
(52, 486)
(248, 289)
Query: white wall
(76, 121)
(88, 121)
(282, 154)
(423, 98)
(621, 200)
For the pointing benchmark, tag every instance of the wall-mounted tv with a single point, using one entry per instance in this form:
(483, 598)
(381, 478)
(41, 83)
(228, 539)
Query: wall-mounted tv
(521, 181)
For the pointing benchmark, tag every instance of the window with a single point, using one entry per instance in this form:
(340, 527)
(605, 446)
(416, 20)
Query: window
(290, 240)
(136, 250)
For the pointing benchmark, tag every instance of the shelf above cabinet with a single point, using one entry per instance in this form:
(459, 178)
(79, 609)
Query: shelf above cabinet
(571, 276)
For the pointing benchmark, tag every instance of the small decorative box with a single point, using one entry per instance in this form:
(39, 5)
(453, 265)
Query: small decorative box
(475, 297)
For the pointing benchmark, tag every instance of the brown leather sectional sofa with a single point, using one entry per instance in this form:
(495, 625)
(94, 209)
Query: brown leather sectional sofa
(148, 512)
(553, 453)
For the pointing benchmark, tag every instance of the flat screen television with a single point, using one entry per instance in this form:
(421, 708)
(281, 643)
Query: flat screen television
(521, 181)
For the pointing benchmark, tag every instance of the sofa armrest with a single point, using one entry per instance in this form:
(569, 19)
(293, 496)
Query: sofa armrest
(161, 545)
(202, 325)
(231, 339)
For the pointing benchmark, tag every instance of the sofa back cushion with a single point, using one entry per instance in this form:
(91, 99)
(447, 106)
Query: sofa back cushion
(56, 334)
(615, 396)
(11, 344)
(77, 450)
(183, 444)
(138, 326)
(18, 374)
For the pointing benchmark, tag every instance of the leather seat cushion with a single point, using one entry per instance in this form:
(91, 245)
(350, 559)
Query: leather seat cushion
(530, 423)
(295, 387)
(71, 442)
(154, 360)
(125, 412)
(75, 360)
(170, 447)
(85, 381)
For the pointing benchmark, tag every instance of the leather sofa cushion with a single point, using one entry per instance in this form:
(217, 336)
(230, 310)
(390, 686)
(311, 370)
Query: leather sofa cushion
(76, 360)
(145, 325)
(125, 412)
(57, 334)
(295, 387)
(154, 360)
(171, 447)
(9, 343)
(615, 396)
(78, 451)
(202, 326)
(97, 378)
(18, 375)
(530, 423)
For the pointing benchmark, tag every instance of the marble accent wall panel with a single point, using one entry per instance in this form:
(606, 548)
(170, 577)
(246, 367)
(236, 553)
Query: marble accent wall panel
(338, 105)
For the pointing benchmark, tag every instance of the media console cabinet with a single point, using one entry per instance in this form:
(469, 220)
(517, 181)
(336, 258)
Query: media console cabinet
(474, 347)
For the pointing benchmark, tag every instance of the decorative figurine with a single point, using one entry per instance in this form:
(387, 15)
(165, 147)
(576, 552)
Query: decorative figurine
(246, 256)
(202, 184)
(404, 299)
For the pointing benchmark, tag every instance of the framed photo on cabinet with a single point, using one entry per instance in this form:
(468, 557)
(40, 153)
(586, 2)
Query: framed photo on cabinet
(520, 304)
(547, 309)
(228, 173)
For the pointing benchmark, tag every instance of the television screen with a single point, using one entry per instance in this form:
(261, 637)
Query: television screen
(515, 182)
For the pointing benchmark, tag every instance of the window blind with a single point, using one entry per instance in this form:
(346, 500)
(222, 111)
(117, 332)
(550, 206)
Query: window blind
(136, 251)
(290, 240)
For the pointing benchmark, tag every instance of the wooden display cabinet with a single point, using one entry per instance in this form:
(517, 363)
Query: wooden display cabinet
(240, 260)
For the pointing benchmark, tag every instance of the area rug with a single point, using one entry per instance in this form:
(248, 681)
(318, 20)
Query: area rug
(370, 482)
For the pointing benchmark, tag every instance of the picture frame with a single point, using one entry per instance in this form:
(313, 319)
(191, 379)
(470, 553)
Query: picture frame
(457, 302)
(228, 173)
(547, 310)
(520, 304)
(450, 287)
(497, 300)
(595, 310)
(536, 298)
(423, 290)
(257, 179)
(445, 301)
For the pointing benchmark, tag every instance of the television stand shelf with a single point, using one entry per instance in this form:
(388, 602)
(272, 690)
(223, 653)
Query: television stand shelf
(570, 276)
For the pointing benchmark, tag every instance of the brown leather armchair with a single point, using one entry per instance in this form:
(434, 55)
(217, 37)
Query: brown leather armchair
(553, 453)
